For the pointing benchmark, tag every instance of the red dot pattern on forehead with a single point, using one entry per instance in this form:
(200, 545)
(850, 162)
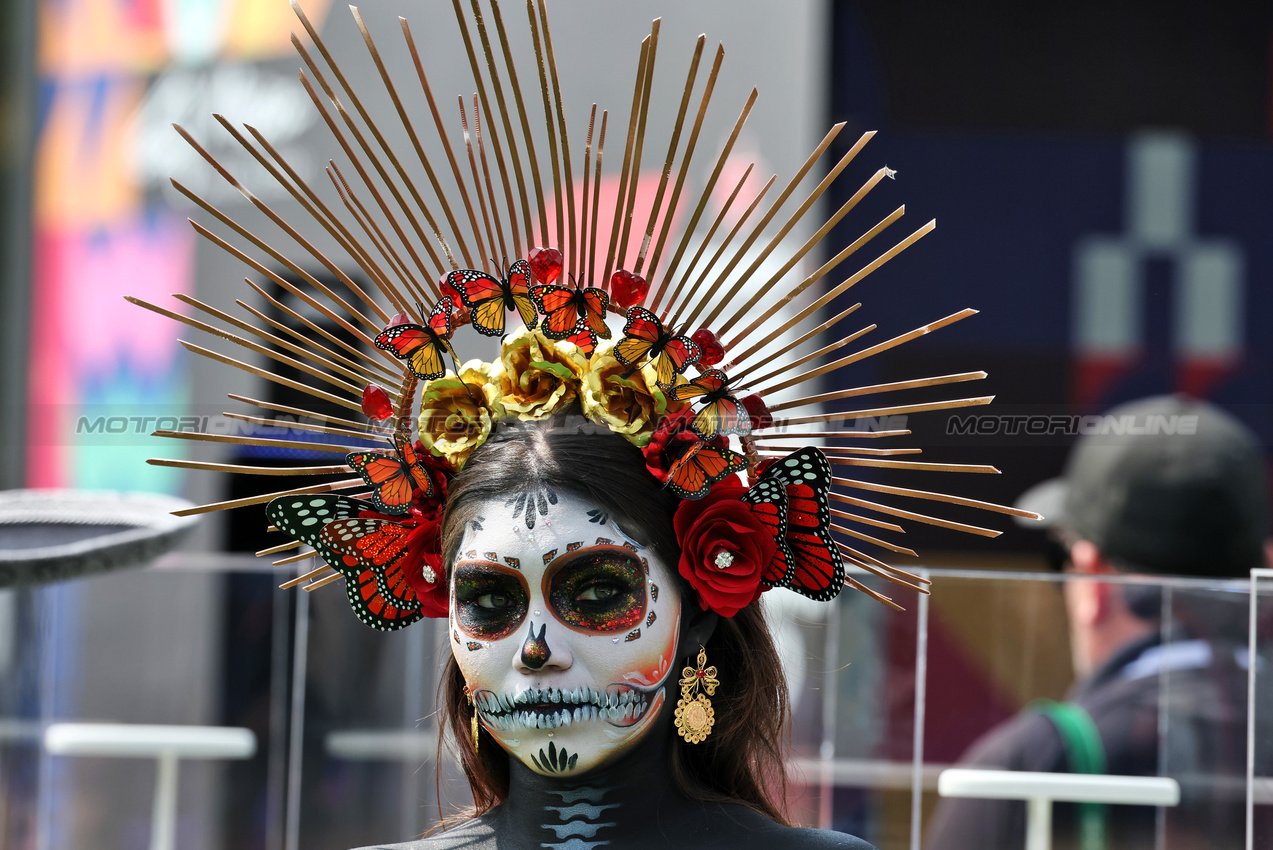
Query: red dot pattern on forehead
(549, 555)
(570, 547)
(632, 635)
(491, 556)
(604, 541)
(513, 562)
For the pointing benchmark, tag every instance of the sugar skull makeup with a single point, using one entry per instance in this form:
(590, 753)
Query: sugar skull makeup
(565, 629)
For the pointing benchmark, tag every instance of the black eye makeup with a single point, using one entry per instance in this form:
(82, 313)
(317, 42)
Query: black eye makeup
(490, 600)
(601, 589)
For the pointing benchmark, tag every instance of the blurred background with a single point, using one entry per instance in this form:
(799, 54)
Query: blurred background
(1102, 179)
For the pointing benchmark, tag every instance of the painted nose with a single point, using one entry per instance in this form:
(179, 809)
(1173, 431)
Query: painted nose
(535, 650)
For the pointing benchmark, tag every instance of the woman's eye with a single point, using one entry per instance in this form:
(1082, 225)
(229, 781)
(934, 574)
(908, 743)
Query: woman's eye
(597, 593)
(494, 600)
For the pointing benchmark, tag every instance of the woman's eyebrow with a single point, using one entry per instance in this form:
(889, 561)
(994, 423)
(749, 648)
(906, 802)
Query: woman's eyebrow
(578, 550)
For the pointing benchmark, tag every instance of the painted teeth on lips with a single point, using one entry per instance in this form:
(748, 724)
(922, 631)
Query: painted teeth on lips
(551, 708)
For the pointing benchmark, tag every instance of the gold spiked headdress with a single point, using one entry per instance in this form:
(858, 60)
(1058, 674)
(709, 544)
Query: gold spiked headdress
(690, 299)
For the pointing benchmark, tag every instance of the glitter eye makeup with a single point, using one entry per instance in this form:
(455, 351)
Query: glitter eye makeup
(601, 589)
(490, 600)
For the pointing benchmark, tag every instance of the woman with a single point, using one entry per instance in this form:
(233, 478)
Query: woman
(571, 627)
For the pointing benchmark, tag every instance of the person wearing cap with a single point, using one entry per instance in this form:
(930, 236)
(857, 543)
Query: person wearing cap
(1164, 486)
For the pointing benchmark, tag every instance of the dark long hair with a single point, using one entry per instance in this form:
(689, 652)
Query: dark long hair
(741, 761)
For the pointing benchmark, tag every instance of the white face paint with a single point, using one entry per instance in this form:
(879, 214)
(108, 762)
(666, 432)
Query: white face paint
(564, 628)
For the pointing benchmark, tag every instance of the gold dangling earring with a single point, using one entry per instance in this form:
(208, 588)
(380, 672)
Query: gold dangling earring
(473, 720)
(694, 713)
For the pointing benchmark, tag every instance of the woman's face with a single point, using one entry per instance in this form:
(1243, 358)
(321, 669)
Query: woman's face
(565, 629)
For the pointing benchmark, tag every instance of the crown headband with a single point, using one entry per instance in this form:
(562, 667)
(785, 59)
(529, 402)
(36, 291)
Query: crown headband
(692, 302)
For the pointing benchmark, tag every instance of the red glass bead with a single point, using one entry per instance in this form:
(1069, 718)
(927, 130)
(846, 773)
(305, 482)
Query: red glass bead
(376, 403)
(451, 292)
(545, 264)
(398, 319)
(701, 673)
(709, 345)
(627, 288)
(756, 409)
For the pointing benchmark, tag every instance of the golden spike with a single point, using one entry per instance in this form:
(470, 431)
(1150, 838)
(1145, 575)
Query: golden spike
(490, 129)
(324, 448)
(368, 430)
(873, 350)
(301, 579)
(902, 514)
(874, 594)
(481, 193)
(490, 188)
(721, 248)
(315, 352)
(585, 273)
(446, 143)
(267, 497)
(683, 171)
(292, 232)
(634, 176)
(374, 364)
(548, 118)
(270, 376)
(358, 166)
(561, 122)
(250, 470)
(782, 451)
(878, 388)
(925, 466)
(513, 154)
(282, 547)
(866, 538)
(323, 582)
(800, 361)
(829, 435)
(621, 198)
(671, 153)
(415, 143)
(294, 559)
(891, 573)
(377, 236)
(889, 411)
(596, 204)
(878, 523)
(312, 204)
(244, 343)
(705, 195)
(278, 257)
(936, 497)
(804, 249)
(522, 113)
(811, 333)
(848, 282)
(792, 220)
(720, 218)
(301, 426)
(376, 134)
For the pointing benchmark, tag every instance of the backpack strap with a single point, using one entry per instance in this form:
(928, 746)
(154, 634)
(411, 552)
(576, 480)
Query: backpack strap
(1085, 753)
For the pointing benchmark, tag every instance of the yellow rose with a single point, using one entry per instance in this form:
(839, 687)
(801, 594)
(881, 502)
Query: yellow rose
(631, 406)
(456, 413)
(537, 376)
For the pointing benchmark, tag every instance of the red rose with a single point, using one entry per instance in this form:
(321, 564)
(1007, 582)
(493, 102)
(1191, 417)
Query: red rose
(423, 567)
(670, 441)
(724, 550)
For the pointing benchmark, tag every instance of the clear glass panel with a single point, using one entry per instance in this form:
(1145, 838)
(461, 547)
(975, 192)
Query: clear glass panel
(1260, 735)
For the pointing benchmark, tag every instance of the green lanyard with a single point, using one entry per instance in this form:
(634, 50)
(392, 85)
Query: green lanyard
(1086, 754)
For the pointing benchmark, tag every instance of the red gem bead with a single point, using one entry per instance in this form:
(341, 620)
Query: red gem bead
(398, 319)
(545, 264)
(376, 403)
(713, 351)
(756, 409)
(765, 464)
(628, 289)
(451, 292)
(701, 673)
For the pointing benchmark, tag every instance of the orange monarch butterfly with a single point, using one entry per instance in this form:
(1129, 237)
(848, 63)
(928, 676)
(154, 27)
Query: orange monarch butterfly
(372, 555)
(721, 413)
(698, 469)
(567, 308)
(644, 335)
(488, 297)
(790, 499)
(394, 478)
(422, 345)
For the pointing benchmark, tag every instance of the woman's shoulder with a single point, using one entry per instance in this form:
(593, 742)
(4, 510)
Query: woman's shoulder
(473, 834)
(746, 827)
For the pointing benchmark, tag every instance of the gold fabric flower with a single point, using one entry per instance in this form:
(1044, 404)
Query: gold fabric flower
(631, 406)
(456, 413)
(537, 376)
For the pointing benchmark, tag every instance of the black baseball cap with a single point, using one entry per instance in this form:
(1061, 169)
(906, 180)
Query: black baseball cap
(1168, 484)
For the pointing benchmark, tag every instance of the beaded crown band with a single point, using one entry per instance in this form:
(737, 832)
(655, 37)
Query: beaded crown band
(706, 361)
